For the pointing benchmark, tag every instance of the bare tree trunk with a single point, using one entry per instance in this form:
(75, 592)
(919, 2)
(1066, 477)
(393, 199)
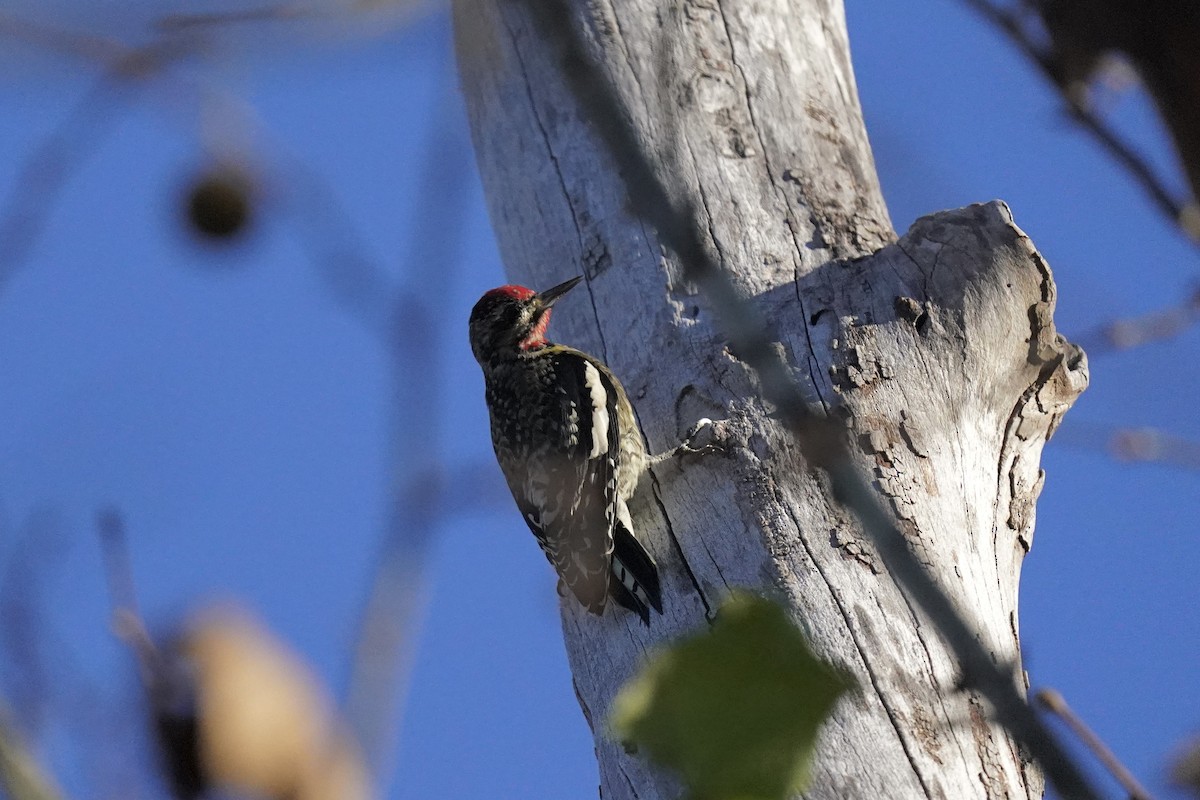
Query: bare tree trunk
(938, 349)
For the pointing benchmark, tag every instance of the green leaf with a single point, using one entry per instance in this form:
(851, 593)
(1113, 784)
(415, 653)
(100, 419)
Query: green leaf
(734, 710)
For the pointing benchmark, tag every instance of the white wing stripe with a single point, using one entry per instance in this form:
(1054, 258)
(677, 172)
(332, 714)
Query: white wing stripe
(599, 397)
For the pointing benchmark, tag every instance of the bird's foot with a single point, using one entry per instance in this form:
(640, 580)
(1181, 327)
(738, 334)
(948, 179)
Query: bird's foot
(705, 438)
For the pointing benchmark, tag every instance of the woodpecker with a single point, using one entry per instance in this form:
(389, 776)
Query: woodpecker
(569, 446)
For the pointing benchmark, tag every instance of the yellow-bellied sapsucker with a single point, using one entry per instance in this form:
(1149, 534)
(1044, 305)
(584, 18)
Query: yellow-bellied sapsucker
(569, 446)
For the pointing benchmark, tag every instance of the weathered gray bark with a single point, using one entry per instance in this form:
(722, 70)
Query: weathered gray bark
(939, 349)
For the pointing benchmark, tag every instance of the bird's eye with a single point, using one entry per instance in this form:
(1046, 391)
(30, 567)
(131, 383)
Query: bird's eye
(508, 316)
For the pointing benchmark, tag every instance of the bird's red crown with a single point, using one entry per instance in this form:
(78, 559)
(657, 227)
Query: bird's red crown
(511, 290)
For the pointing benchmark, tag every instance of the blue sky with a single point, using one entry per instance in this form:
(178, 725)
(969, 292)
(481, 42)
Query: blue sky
(240, 416)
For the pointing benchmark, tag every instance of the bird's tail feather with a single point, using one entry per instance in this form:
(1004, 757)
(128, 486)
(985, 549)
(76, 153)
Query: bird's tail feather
(634, 583)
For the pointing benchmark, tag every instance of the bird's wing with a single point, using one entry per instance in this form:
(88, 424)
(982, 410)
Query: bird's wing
(569, 492)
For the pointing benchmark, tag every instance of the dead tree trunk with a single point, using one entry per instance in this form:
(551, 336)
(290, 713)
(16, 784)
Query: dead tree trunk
(939, 349)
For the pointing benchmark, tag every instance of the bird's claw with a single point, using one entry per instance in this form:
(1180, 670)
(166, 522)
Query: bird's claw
(703, 439)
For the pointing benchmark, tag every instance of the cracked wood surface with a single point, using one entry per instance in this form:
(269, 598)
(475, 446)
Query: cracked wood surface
(938, 349)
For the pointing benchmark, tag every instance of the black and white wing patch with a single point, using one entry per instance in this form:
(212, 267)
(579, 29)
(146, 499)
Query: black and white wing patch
(568, 496)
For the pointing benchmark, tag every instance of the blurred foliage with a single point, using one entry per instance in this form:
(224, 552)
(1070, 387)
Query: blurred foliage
(20, 776)
(734, 710)
(252, 718)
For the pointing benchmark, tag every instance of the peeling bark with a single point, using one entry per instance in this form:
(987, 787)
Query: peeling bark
(939, 350)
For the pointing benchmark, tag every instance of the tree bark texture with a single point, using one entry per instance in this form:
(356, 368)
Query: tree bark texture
(938, 349)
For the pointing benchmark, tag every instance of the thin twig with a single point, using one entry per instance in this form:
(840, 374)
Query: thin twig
(110, 526)
(37, 662)
(1054, 702)
(104, 51)
(124, 68)
(42, 676)
(821, 439)
(1124, 153)
(45, 172)
(127, 620)
(277, 12)
(1125, 334)
(1148, 445)
(286, 13)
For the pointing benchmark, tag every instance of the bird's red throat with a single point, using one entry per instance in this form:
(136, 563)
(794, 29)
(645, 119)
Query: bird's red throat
(537, 335)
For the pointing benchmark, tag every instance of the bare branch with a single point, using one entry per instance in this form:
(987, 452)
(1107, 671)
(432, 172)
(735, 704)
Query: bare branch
(58, 156)
(113, 543)
(1125, 334)
(127, 621)
(1053, 701)
(1132, 444)
(103, 51)
(38, 662)
(290, 13)
(277, 12)
(1015, 27)
(46, 170)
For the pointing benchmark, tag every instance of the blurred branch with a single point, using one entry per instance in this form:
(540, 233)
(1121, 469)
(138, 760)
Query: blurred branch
(407, 327)
(1131, 444)
(1185, 767)
(354, 277)
(290, 12)
(46, 170)
(123, 67)
(127, 621)
(1017, 28)
(1053, 701)
(115, 547)
(821, 439)
(20, 776)
(360, 285)
(168, 685)
(398, 320)
(489, 492)
(45, 681)
(1125, 334)
(37, 662)
(383, 652)
(277, 12)
(59, 155)
(105, 52)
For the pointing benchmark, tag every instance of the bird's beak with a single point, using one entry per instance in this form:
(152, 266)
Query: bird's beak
(551, 296)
